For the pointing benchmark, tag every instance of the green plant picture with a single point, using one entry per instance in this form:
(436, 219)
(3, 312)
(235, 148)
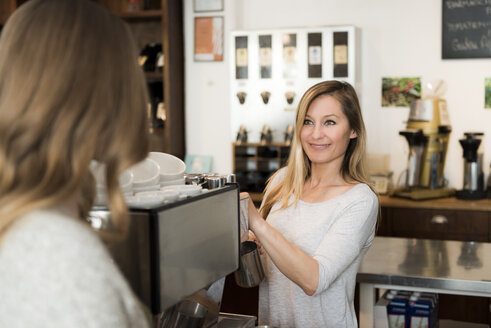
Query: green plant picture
(399, 92)
(487, 92)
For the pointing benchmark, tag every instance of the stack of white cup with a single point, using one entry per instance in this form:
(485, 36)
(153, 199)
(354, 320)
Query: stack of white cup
(156, 180)
(171, 169)
(99, 172)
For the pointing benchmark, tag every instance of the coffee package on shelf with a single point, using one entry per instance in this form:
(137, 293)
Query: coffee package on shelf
(397, 309)
(423, 310)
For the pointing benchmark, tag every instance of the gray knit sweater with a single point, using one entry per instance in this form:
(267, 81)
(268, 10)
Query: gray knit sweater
(337, 233)
(56, 272)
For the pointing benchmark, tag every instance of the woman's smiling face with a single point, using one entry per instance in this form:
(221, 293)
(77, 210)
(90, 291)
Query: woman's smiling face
(326, 132)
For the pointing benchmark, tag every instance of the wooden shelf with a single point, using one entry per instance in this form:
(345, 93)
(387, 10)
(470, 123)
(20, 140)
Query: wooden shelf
(142, 14)
(154, 75)
(254, 163)
(6, 8)
(165, 26)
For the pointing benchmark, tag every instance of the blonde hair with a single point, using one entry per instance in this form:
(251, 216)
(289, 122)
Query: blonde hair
(299, 166)
(70, 91)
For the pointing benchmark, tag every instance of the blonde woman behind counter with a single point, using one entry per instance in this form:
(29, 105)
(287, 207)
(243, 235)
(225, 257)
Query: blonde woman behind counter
(70, 91)
(320, 215)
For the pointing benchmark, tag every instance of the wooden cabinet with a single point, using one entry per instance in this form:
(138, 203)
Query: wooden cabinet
(443, 219)
(152, 21)
(437, 224)
(254, 163)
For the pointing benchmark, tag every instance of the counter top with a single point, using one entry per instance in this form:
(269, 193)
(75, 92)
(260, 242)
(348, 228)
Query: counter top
(450, 203)
(453, 266)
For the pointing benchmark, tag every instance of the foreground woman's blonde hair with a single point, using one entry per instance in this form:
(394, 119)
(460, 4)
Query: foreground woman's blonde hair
(298, 167)
(70, 91)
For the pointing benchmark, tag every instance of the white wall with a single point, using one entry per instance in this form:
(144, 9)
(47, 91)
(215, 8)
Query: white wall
(398, 38)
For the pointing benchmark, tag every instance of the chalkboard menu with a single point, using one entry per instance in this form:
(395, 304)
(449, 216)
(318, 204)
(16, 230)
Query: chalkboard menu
(466, 29)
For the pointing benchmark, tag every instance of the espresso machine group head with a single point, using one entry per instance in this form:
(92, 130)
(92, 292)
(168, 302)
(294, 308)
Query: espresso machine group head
(427, 133)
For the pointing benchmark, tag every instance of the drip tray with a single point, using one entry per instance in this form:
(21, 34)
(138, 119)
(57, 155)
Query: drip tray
(228, 320)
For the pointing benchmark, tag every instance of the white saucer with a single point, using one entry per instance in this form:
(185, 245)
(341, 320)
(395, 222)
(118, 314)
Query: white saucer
(188, 190)
(164, 183)
(155, 187)
(145, 199)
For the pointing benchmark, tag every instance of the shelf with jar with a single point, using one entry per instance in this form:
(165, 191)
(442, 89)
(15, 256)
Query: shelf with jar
(158, 29)
(134, 8)
(153, 23)
(254, 163)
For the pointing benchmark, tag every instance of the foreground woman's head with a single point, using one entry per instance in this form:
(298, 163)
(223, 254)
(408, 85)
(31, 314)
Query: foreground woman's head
(70, 91)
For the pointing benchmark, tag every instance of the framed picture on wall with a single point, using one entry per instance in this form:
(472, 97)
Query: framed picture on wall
(198, 163)
(399, 92)
(208, 38)
(207, 5)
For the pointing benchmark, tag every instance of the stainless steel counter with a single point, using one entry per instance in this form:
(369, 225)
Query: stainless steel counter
(450, 267)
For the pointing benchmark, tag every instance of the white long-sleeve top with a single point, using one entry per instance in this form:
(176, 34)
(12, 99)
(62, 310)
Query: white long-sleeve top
(55, 272)
(337, 233)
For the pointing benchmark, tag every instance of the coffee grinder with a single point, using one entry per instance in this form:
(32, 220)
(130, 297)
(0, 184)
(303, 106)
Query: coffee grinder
(427, 133)
(473, 187)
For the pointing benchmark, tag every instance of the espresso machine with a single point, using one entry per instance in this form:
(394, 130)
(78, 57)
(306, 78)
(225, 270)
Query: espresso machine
(473, 187)
(176, 256)
(427, 133)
